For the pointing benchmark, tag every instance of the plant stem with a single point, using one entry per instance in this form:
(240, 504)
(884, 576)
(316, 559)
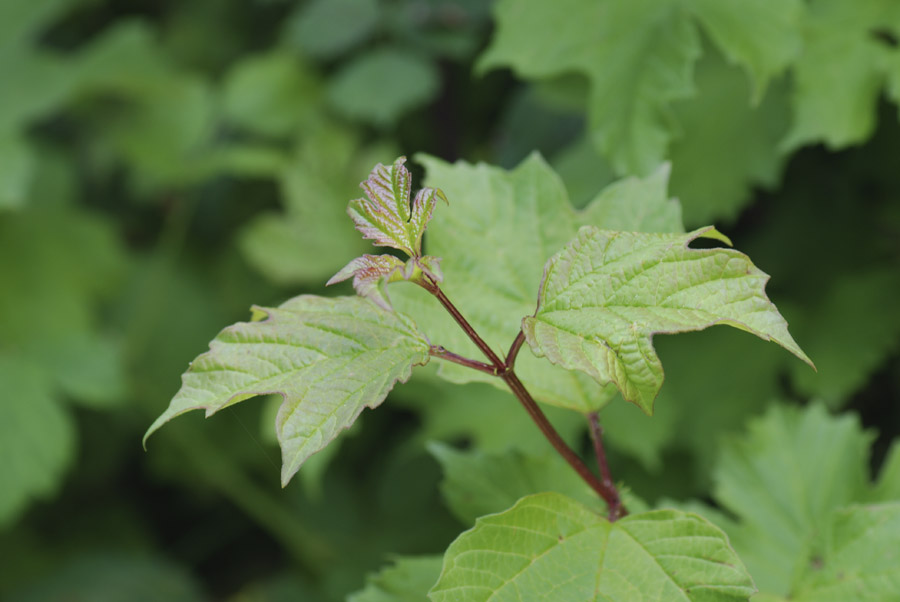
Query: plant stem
(616, 510)
(439, 351)
(513, 352)
(506, 370)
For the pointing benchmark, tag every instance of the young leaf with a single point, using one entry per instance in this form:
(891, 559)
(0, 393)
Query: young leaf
(328, 359)
(606, 294)
(554, 548)
(369, 271)
(385, 217)
(503, 227)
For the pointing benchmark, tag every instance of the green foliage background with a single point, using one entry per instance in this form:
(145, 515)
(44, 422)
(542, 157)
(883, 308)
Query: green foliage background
(164, 165)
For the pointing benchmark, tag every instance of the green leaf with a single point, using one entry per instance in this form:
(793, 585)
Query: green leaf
(635, 77)
(476, 484)
(522, 216)
(16, 171)
(786, 481)
(328, 358)
(381, 85)
(549, 547)
(888, 485)
(407, 580)
(607, 293)
(36, 437)
(329, 28)
(270, 94)
(841, 72)
(712, 175)
(859, 558)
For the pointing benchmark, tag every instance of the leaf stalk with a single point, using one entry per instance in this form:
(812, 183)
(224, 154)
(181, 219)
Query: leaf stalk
(505, 369)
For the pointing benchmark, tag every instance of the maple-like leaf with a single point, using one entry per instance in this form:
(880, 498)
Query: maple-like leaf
(329, 358)
(385, 216)
(607, 293)
(503, 227)
(555, 548)
(369, 271)
(638, 57)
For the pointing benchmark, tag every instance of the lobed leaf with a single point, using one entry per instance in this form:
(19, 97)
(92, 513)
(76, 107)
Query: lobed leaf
(639, 57)
(369, 271)
(385, 217)
(793, 482)
(327, 357)
(607, 293)
(522, 217)
(841, 73)
(550, 547)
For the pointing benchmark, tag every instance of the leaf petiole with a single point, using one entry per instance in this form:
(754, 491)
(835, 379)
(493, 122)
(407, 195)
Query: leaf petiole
(605, 488)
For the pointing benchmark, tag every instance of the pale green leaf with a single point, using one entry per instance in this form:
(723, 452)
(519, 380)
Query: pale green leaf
(328, 28)
(783, 481)
(550, 547)
(328, 358)
(762, 35)
(407, 580)
(607, 293)
(36, 437)
(841, 72)
(476, 483)
(857, 558)
(712, 174)
(270, 94)
(494, 242)
(381, 85)
(639, 58)
(888, 485)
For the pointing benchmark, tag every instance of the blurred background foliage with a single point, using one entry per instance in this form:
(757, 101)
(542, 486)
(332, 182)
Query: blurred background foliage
(164, 165)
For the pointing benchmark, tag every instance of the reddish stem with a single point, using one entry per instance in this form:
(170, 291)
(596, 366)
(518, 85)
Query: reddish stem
(616, 510)
(505, 369)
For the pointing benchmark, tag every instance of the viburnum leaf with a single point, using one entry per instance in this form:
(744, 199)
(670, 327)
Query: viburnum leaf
(638, 57)
(327, 357)
(554, 548)
(841, 73)
(607, 293)
(794, 482)
(369, 271)
(385, 216)
(494, 243)
(476, 483)
(407, 580)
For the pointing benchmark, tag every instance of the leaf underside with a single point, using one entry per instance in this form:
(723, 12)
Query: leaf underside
(607, 293)
(327, 357)
(549, 547)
